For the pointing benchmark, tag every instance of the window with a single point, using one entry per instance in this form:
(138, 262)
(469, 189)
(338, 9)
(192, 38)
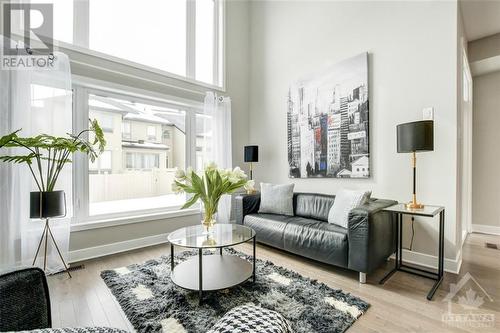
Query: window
(63, 23)
(126, 134)
(204, 41)
(136, 171)
(152, 133)
(156, 37)
(142, 161)
(103, 164)
(181, 37)
(105, 120)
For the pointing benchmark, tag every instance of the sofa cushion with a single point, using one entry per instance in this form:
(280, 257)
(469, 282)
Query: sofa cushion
(346, 201)
(276, 198)
(314, 206)
(268, 227)
(317, 240)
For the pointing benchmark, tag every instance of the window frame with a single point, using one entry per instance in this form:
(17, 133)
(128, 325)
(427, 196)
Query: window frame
(81, 42)
(82, 88)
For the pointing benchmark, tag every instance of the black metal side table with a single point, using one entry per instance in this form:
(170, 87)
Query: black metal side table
(399, 211)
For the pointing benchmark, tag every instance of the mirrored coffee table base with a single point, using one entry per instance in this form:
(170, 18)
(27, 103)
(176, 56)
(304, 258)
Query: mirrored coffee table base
(214, 271)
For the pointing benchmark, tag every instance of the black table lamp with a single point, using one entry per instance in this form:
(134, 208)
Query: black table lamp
(251, 155)
(417, 136)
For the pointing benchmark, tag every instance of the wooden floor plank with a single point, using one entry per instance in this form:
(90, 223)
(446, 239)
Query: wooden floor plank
(399, 305)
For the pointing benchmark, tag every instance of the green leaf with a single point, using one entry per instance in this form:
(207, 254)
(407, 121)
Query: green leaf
(199, 185)
(99, 135)
(191, 201)
(8, 138)
(18, 158)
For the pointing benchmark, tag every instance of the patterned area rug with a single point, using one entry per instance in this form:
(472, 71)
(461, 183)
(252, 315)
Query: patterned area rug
(153, 303)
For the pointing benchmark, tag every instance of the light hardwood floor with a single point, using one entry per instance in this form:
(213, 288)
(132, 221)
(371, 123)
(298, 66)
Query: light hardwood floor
(398, 306)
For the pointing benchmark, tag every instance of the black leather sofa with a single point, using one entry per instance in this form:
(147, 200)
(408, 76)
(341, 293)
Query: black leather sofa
(367, 242)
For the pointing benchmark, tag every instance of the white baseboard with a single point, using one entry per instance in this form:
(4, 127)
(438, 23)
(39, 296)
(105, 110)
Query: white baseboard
(107, 249)
(486, 229)
(430, 261)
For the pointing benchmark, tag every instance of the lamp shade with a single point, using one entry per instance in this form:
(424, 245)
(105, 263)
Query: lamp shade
(251, 153)
(415, 136)
(47, 204)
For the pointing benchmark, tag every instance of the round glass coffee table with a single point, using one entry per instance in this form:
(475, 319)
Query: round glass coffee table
(211, 272)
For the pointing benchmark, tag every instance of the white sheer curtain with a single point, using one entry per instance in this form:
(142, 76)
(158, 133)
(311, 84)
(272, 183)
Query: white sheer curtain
(217, 133)
(36, 101)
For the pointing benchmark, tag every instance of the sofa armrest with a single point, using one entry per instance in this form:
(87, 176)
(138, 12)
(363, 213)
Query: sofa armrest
(25, 302)
(246, 204)
(371, 235)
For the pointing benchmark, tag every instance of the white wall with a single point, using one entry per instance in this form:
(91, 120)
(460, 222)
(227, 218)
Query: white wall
(484, 55)
(412, 64)
(237, 73)
(486, 184)
(464, 131)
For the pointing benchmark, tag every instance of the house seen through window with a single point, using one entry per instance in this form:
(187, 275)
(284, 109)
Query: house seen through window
(137, 169)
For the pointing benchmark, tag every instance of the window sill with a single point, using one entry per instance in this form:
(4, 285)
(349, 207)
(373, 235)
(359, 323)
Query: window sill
(89, 55)
(117, 221)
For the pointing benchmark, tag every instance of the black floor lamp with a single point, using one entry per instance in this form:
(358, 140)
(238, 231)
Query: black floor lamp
(417, 136)
(251, 156)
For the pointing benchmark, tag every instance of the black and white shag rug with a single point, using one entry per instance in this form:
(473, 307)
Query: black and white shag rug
(153, 303)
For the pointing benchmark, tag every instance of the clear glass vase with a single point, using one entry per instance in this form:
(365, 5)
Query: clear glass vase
(207, 220)
(208, 223)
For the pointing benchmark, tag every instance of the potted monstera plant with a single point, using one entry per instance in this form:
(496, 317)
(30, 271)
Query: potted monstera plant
(208, 187)
(46, 156)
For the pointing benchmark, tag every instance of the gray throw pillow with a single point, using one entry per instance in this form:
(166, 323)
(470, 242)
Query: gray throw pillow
(276, 199)
(345, 201)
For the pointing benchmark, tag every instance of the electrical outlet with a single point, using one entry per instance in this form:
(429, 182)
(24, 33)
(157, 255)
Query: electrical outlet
(428, 113)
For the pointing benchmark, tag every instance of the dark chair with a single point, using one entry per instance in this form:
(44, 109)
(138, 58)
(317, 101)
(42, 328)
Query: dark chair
(25, 304)
(24, 300)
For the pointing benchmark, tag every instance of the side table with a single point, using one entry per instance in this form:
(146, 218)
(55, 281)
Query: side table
(399, 211)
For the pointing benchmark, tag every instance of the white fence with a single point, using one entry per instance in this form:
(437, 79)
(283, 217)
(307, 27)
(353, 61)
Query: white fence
(130, 185)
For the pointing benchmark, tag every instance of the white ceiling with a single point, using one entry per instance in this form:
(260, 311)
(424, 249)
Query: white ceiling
(481, 18)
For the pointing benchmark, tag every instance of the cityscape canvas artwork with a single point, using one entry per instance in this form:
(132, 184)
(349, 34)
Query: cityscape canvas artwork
(328, 134)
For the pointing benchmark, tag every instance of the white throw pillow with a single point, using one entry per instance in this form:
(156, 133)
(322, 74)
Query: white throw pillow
(345, 201)
(276, 199)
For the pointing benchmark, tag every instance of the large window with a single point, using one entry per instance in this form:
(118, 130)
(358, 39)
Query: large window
(145, 144)
(181, 37)
(151, 32)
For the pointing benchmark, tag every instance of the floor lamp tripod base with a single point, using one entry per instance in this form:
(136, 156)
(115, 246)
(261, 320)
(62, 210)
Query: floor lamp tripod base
(45, 239)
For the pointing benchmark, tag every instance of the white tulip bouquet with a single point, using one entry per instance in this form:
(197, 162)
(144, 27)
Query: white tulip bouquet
(209, 186)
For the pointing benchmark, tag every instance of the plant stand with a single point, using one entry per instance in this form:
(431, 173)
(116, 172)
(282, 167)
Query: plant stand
(45, 235)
